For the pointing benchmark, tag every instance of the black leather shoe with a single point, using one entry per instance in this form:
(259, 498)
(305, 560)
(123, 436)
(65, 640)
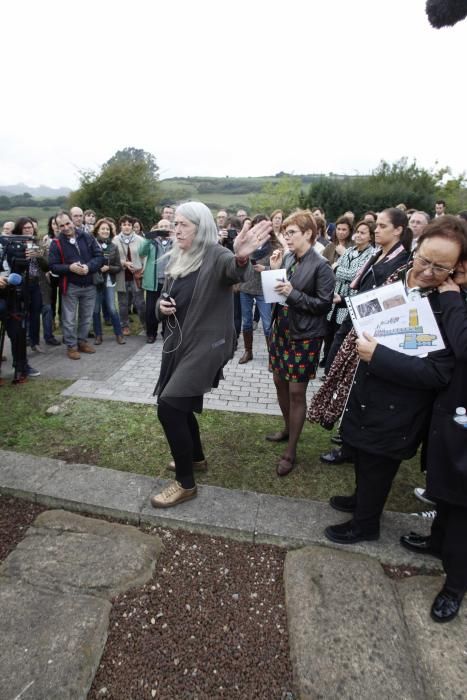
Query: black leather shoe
(346, 504)
(151, 339)
(349, 533)
(419, 543)
(52, 341)
(336, 456)
(445, 606)
(336, 439)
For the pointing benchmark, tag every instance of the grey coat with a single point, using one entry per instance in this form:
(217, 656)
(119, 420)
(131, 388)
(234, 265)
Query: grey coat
(208, 334)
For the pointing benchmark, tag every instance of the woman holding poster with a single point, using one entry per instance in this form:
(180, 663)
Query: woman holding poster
(392, 395)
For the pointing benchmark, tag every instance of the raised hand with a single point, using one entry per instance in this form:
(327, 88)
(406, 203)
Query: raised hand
(248, 241)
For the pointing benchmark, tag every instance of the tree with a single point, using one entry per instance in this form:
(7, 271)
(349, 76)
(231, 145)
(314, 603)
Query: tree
(126, 184)
(134, 156)
(283, 194)
(388, 185)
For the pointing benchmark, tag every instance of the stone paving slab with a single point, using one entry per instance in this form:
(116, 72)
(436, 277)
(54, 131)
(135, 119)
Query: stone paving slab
(347, 636)
(440, 648)
(55, 591)
(68, 553)
(51, 643)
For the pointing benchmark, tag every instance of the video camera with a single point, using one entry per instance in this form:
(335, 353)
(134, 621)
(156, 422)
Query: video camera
(13, 250)
(158, 233)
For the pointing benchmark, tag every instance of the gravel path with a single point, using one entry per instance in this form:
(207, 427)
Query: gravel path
(211, 624)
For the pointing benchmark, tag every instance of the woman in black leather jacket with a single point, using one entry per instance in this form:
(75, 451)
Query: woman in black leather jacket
(298, 327)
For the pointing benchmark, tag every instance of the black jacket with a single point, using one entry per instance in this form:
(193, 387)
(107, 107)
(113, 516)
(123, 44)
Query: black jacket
(311, 297)
(391, 399)
(85, 251)
(447, 442)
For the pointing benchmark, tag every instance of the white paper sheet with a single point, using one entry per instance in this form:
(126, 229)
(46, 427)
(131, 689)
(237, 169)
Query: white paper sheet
(269, 279)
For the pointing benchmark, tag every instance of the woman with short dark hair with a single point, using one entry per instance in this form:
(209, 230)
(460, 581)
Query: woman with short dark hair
(298, 327)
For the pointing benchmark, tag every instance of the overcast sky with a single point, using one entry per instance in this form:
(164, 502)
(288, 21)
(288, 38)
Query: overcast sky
(245, 87)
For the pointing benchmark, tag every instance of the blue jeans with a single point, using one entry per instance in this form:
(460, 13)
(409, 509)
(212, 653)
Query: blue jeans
(34, 309)
(47, 321)
(77, 307)
(265, 310)
(106, 294)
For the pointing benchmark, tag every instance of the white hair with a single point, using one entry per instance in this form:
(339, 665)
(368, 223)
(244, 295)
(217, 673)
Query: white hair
(182, 262)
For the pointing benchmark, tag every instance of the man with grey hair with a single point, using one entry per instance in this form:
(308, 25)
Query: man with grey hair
(418, 222)
(7, 228)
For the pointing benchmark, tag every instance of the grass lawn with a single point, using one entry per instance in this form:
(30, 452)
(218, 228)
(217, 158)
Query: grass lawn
(128, 437)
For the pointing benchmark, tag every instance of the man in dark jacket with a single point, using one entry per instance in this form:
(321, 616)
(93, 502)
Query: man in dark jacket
(75, 257)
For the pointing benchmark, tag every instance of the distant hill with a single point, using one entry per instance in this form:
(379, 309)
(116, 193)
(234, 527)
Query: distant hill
(41, 191)
(215, 192)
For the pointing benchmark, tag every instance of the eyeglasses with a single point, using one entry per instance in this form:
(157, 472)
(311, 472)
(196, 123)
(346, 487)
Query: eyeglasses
(289, 234)
(437, 270)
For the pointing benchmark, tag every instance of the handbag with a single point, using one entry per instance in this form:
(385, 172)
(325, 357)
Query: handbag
(98, 278)
(138, 277)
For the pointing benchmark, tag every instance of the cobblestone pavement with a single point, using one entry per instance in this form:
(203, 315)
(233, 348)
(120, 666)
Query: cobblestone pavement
(247, 388)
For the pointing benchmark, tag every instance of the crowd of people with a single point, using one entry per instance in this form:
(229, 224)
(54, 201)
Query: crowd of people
(199, 278)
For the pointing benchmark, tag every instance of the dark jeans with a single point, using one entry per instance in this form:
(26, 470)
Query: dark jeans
(449, 536)
(374, 475)
(34, 309)
(47, 321)
(238, 313)
(338, 339)
(182, 433)
(151, 318)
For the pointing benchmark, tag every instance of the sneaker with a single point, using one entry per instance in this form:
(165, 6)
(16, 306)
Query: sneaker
(31, 372)
(201, 466)
(427, 514)
(172, 495)
(37, 348)
(421, 495)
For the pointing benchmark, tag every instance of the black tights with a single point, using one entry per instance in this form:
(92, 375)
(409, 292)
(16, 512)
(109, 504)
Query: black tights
(292, 402)
(182, 433)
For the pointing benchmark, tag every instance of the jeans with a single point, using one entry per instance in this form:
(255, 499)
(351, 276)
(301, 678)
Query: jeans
(151, 319)
(265, 310)
(107, 295)
(138, 301)
(47, 321)
(34, 309)
(78, 301)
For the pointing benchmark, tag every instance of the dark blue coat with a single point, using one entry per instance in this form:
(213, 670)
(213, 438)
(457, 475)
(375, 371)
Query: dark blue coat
(85, 251)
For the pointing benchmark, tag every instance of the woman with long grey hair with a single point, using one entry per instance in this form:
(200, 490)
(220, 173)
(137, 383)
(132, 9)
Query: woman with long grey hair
(199, 335)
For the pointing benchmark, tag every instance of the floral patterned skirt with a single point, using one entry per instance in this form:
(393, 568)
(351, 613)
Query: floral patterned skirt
(292, 360)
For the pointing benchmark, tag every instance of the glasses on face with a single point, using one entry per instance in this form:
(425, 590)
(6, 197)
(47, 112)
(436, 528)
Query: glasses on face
(437, 270)
(289, 234)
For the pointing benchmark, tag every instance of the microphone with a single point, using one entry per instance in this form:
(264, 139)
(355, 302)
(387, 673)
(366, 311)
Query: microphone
(14, 279)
